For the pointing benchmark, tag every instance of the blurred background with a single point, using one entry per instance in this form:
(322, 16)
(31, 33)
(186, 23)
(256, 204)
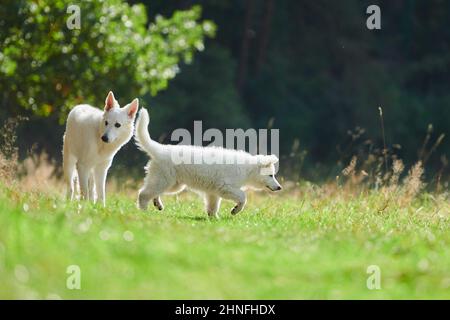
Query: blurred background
(310, 68)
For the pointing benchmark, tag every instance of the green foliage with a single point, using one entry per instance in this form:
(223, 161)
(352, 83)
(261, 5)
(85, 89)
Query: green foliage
(47, 68)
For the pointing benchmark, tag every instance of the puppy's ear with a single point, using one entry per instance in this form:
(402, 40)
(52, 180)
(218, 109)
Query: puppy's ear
(132, 108)
(266, 164)
(265, 161)
(110, 101)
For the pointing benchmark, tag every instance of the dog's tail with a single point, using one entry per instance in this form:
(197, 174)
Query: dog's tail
(141, 135)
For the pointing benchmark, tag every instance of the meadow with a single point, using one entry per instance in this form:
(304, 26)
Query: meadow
(309, 242)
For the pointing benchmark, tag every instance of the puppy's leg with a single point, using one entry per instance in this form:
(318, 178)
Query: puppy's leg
(212, 203)
(172, 190)
(154, 186)
(176, 188)
(100, 173)
(83, 179)
(158, 203)
(236, 195)
(69, 166)
(151, 191)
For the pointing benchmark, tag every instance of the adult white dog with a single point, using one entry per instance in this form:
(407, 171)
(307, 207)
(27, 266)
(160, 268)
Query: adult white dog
(220, 173)
(91, 140)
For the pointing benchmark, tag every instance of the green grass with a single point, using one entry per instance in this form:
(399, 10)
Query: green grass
(304, 244)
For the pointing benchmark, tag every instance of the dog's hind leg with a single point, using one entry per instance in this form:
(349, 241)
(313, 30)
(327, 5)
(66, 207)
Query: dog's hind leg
(236, 195)
(83, 179)
(69, 166)
(212, 204)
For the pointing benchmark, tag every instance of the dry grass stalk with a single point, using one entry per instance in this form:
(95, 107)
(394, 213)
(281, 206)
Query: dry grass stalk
(413, 183)
(8, 151)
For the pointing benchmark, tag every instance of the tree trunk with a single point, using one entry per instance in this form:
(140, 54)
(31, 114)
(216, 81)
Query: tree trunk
(265, 34)
(243, 59)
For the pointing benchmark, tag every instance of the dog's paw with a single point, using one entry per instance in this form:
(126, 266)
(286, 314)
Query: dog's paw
(141, 207)
(213, 215)
(142, 201)
(236, 209)
(158, 204)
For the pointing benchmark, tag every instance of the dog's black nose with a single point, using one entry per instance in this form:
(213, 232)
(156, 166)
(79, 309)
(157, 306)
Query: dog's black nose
(105, 138)
(278, 188)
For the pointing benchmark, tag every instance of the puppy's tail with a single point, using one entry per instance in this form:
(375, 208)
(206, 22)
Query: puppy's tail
(141, 135)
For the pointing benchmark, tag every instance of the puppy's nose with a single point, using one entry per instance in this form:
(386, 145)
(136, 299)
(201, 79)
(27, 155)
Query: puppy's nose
(105, 138)
(278, 188)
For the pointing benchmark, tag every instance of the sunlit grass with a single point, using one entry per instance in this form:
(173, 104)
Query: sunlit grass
(307, 243)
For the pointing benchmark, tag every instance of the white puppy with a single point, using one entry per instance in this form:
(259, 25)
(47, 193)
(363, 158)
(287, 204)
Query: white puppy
(91, 140)
(221, 173)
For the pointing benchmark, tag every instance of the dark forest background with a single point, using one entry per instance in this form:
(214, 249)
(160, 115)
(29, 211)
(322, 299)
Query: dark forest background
(310, 68)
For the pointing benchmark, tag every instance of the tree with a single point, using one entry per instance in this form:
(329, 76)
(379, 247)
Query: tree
(47, 67)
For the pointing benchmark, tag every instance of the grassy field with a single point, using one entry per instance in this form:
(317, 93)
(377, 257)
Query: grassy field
(309, 242)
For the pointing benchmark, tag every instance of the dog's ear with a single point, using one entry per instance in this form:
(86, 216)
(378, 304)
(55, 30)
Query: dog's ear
(110, 101)
(265, 161)
(132, 108)
(266, 164)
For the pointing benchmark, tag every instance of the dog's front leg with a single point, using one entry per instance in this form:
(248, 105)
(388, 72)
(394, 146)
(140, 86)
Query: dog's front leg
(212, 203)
(158, 203)
(100, 174)
(154, 185)
(91, 186)
(236, 195)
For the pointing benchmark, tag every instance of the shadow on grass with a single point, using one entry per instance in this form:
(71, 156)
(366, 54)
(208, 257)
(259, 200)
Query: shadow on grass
(204, 218)
(193, 218)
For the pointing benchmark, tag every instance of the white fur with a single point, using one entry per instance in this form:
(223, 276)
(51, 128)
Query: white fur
(84, 150)
(215, 181)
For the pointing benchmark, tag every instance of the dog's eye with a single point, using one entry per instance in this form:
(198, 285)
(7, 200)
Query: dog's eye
(106, 123)
(117, 125)
(271, 175)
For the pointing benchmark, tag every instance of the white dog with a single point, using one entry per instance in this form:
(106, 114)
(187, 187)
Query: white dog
(215, 180)
(91, 140)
